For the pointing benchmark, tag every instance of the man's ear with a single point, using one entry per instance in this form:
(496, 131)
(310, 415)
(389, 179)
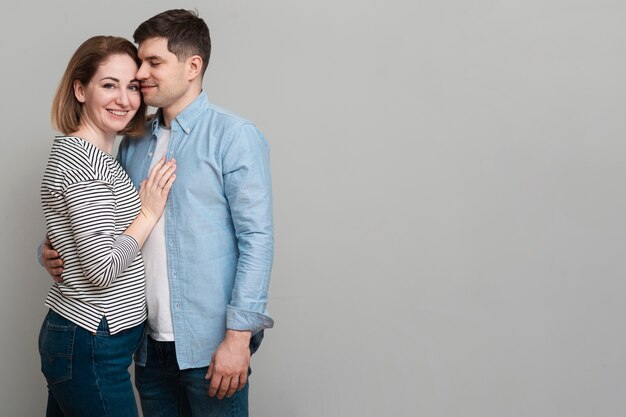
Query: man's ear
(79, 91)
(194, 66)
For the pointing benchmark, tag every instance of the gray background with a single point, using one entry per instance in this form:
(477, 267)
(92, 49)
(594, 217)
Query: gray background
(449, 198)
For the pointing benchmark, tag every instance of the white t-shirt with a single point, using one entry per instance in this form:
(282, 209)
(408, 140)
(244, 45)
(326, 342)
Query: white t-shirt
(160, 325)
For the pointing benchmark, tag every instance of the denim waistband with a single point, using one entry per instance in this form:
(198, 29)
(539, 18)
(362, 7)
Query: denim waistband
(53, 316)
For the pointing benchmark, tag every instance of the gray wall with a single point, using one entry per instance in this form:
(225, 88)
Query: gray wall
(449, 198)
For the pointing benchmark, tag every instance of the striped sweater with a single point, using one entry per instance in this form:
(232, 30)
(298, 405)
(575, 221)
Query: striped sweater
(88, 201)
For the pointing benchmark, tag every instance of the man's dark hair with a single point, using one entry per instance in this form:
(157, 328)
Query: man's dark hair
(186, 33)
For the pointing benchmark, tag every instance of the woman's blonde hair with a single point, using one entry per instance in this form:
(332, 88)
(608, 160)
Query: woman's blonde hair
(66, 109)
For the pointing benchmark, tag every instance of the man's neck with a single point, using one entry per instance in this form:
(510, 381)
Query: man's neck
(170, 112)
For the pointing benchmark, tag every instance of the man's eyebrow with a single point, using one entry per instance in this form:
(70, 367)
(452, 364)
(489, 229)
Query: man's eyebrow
(152, 58)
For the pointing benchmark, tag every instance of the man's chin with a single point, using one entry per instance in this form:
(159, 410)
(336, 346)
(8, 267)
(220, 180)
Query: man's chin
(151, 103)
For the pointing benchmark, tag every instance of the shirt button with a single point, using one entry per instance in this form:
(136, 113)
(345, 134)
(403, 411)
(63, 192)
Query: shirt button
(150, 154)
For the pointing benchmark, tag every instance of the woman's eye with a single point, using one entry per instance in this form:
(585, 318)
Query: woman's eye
(134, 87)
(109, 85)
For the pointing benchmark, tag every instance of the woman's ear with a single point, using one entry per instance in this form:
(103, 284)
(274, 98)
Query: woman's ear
(79, 91)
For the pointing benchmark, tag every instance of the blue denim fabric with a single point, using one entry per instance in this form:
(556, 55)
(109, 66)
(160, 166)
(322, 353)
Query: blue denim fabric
(167, 391)
(218, 225)
(87, 373)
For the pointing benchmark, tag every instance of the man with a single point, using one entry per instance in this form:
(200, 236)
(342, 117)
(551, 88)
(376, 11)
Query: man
(208, 260)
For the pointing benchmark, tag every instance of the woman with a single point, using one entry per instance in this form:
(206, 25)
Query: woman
(97, 222)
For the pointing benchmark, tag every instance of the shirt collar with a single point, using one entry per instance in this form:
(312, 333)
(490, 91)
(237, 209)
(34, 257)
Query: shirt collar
(187, 118)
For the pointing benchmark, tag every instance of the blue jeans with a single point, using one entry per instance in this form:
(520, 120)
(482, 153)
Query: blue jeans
(87, 373)
(167, 391)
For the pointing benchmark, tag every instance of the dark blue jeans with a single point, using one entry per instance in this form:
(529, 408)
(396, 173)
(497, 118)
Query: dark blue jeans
(87, 373)
(166, 391)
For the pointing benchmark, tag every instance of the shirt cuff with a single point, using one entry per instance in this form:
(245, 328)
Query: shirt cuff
(39, 257)
(243, 320)
(127, 245)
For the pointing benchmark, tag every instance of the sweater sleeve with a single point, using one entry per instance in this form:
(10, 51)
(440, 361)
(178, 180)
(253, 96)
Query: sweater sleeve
(103, 254)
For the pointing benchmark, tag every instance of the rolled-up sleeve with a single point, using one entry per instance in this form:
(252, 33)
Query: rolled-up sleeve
(248, 188)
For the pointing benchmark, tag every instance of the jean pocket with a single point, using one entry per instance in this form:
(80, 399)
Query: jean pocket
(56, 345)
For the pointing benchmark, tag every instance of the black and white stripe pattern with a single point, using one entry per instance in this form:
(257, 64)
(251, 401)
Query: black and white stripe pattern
(88, 201)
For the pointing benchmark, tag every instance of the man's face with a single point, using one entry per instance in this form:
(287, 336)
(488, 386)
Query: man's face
(164, 79)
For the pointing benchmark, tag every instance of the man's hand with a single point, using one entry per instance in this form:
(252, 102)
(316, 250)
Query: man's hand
(228, 370)
(51, 261)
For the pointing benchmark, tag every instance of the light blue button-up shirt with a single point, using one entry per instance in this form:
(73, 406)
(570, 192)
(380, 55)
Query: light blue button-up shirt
(218, 225)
